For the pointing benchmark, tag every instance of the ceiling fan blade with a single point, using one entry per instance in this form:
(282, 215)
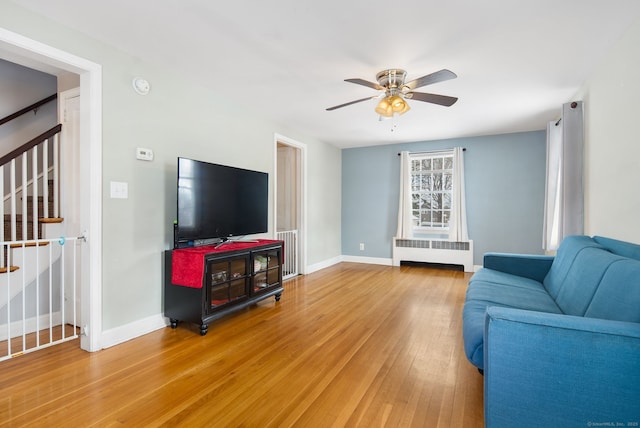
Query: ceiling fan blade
(351, 102)
(365, 83)
(429, 79)
(442, 100)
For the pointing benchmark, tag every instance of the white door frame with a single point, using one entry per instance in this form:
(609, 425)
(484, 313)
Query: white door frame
(33, 54)
(70, 197)
(301, 197)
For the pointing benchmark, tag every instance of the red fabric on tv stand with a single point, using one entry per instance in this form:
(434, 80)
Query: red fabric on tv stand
(187, 264)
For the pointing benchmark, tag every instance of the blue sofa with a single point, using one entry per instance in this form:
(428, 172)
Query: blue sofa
(558, 338)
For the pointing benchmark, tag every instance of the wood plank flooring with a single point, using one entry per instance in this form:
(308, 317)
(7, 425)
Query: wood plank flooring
(33, 340)
(352, 345)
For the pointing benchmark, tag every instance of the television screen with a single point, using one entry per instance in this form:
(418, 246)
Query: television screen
(219, 202)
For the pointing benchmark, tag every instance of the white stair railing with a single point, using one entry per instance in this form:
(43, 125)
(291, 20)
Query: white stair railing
(29, 181)
(34, 191)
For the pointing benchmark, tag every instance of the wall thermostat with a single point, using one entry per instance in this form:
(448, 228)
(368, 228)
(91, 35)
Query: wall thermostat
(144, 154)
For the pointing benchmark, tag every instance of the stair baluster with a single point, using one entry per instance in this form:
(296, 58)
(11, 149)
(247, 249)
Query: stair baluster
(29, 170)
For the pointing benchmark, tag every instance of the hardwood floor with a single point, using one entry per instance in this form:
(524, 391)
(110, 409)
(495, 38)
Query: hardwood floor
(33, 340)
(351, 345)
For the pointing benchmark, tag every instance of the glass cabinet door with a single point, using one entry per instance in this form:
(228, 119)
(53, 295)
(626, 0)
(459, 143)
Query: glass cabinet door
(266, 269)
(227, 280)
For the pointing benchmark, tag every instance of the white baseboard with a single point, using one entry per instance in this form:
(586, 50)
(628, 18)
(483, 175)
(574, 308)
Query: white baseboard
(368, 260)
(132, 330)
(353, 259)
(359, 259)
(322, 265)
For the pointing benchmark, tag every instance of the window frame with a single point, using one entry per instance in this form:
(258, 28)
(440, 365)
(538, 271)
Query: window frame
(443, 196)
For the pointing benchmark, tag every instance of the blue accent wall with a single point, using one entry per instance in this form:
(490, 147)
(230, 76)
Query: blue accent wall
(504, 178)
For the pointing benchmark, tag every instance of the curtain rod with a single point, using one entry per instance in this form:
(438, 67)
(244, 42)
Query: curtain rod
(464, 149)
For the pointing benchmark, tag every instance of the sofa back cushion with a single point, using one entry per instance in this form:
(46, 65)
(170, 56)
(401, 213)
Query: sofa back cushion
(569, 249)
(618, 295)
(576, 273)
(625, 249)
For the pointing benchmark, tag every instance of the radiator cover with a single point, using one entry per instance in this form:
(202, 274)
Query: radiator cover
(433, 251)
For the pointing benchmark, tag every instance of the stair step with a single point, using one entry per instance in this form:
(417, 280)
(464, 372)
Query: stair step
(11, 269)
(19, 235)
(51, 220)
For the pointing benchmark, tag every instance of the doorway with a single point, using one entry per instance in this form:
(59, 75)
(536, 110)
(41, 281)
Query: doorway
(33, 54)
(290, 206)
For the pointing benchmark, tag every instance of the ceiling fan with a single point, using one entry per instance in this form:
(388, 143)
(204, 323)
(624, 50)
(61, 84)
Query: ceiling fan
(396, 91)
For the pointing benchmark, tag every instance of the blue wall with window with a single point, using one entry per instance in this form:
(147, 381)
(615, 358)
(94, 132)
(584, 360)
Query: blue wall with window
(504, 179)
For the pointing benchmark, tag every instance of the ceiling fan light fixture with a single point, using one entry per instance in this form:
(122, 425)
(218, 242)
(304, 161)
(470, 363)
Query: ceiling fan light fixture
(399, 105)
(394, 104)
(384, 107)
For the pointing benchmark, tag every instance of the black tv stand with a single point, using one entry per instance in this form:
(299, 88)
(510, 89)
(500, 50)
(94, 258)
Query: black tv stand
(233, 277)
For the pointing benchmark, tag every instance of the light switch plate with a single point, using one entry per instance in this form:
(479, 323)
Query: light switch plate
(119, 190)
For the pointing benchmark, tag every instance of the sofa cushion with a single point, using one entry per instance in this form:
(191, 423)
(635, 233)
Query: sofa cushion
(569, 249)
(520, 297)
(583, 279)
(618, 295)
(492, 288)
(625, 249)
(498, 277)
(576, 273)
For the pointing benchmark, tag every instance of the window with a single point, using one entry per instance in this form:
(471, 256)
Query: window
(431, 190)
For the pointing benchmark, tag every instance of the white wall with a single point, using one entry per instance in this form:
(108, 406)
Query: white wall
(324, 203)
(177, 118)
(612, 146)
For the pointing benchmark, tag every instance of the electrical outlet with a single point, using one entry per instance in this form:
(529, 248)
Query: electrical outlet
(361, 246)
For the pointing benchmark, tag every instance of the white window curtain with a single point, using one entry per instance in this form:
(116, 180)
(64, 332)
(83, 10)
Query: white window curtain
(405, 226)
(564, 193)
(458, 219)
(552, 187)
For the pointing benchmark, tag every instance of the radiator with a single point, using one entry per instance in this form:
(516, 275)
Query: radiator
(433, 251)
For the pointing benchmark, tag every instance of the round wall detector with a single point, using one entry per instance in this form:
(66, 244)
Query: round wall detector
(141, 86)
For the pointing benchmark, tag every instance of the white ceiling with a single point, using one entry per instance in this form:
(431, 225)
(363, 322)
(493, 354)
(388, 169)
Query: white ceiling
(517, 61)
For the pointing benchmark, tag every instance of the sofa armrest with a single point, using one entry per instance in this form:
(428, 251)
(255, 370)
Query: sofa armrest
(560, 370)
(529, 266)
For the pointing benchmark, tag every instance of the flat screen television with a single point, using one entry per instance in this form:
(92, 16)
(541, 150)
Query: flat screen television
(218, 202)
